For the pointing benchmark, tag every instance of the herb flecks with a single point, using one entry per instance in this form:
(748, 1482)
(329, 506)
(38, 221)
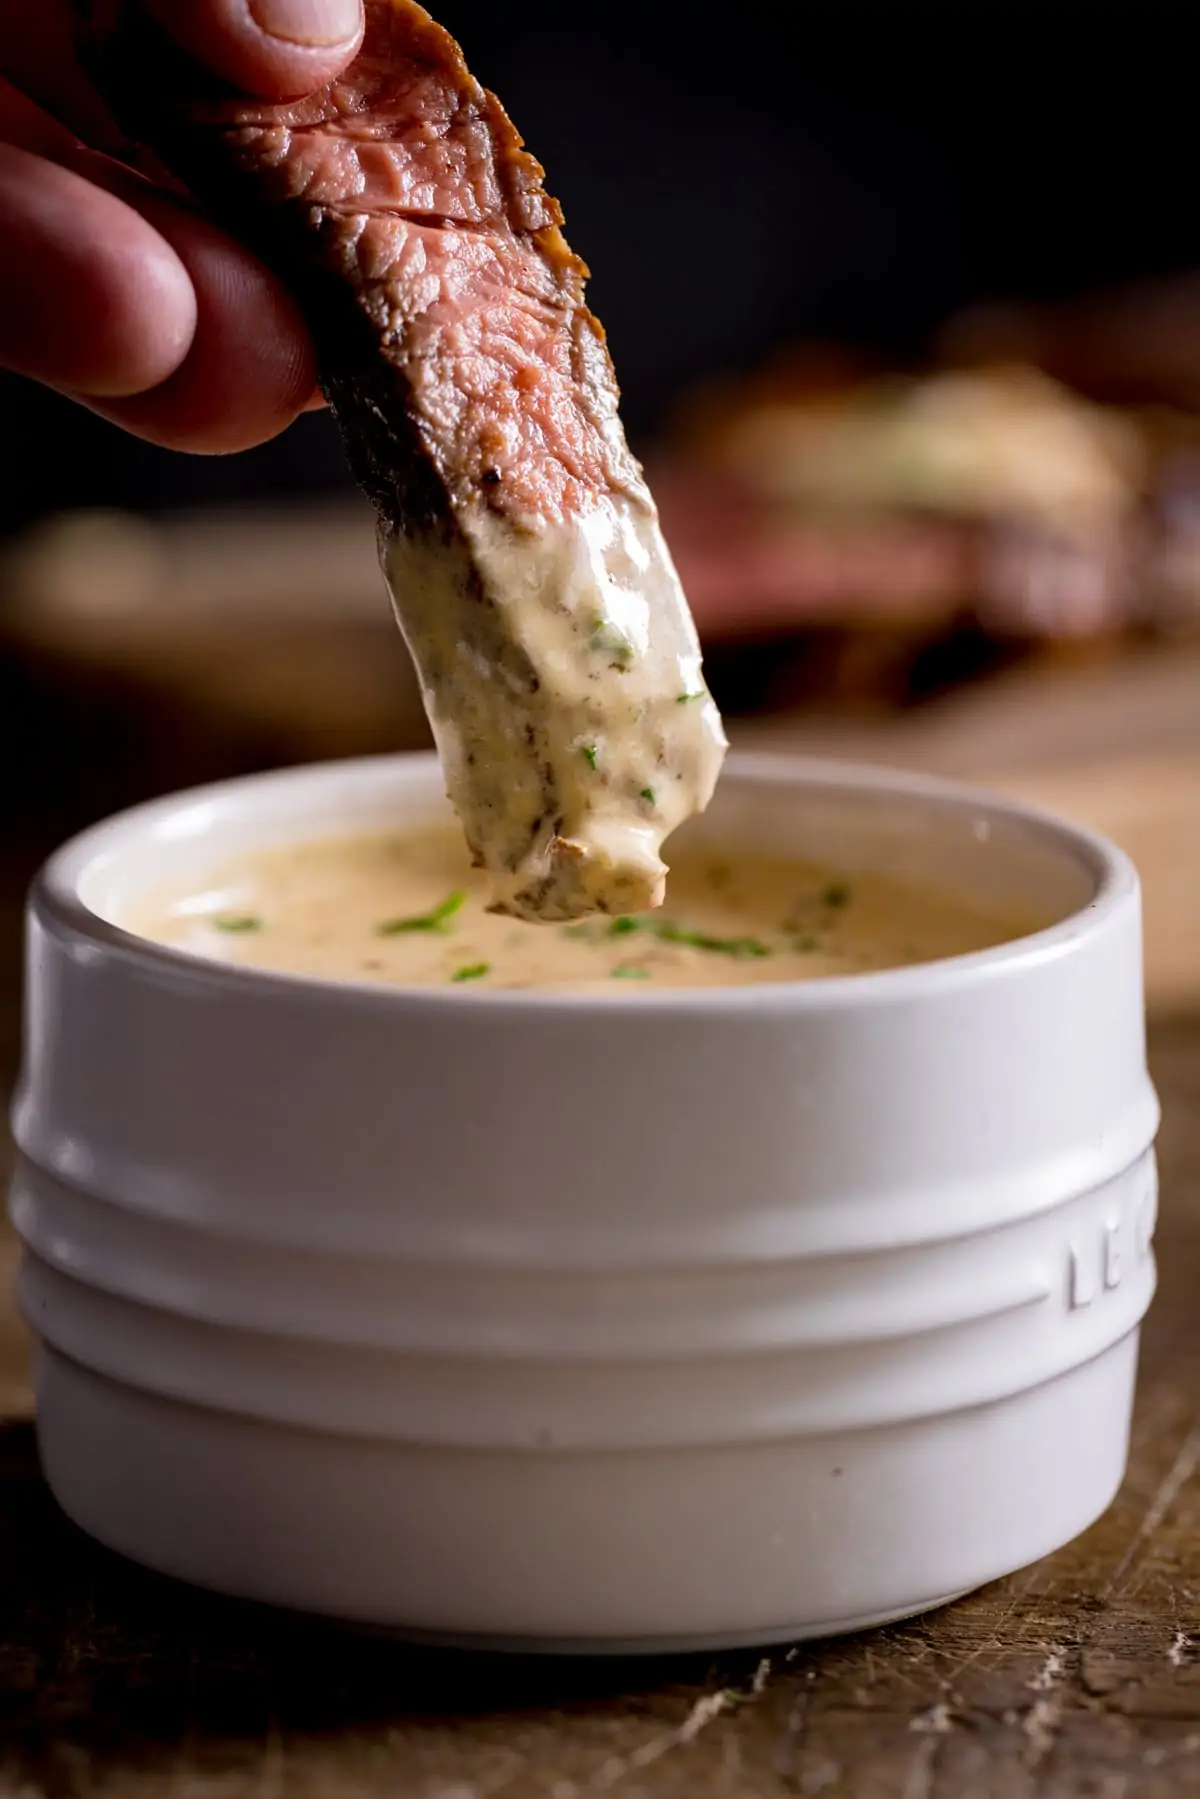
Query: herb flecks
(473, 971)
(610, 642)
(238, 921)
(667, 931)
(436, 919)
(629, 971)
(622, 927)
(647, 794)
(589, 754)
(836, 895)
(720, 946)
(684, 699)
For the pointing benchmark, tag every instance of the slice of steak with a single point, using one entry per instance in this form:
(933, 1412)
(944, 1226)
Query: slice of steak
(556, 653)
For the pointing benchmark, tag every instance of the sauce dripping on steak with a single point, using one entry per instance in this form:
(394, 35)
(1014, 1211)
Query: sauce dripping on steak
(558, 660)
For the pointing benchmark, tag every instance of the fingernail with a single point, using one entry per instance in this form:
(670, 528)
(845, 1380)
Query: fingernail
(312, 22)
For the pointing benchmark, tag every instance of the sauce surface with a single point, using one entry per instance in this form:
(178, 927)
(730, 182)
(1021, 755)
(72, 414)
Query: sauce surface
(407, 910)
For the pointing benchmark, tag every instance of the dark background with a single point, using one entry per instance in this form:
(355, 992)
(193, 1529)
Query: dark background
(745, 177)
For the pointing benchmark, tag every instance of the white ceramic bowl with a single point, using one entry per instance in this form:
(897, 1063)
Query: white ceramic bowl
(639, 1321)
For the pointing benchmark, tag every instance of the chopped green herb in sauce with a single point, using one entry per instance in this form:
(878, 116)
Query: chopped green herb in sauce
(405, 909)
(588, 753)
(647, 794)
(433, 920)
(683, 698)
(667, 931)
(610, 642)
(474, 971)
(721, 946)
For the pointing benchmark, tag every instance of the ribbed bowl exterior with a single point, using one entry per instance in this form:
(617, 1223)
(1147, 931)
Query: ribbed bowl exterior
(657, 1321)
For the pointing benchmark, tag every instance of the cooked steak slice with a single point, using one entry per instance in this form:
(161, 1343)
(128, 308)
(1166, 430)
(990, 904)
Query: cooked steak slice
(557, 656)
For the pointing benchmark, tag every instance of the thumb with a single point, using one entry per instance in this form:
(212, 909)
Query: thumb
(277, 49)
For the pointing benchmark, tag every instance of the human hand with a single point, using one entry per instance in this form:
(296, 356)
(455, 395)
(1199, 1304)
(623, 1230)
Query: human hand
(117, 291)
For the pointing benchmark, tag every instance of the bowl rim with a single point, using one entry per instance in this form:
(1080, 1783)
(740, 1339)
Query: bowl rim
(56, 901)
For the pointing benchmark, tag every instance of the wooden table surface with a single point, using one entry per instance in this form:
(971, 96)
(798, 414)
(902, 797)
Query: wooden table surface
(1078, 1678)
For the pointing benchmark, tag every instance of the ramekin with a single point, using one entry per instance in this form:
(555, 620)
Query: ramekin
(631, 1322)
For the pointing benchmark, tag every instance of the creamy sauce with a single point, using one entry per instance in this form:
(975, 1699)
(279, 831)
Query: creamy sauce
(561, 673)
(408, 910)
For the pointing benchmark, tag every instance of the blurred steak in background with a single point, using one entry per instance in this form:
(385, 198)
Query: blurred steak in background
(925, 527)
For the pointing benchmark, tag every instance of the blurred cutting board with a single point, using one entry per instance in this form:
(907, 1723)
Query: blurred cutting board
(1151, 807)
(1115, 747)
(268, 629)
